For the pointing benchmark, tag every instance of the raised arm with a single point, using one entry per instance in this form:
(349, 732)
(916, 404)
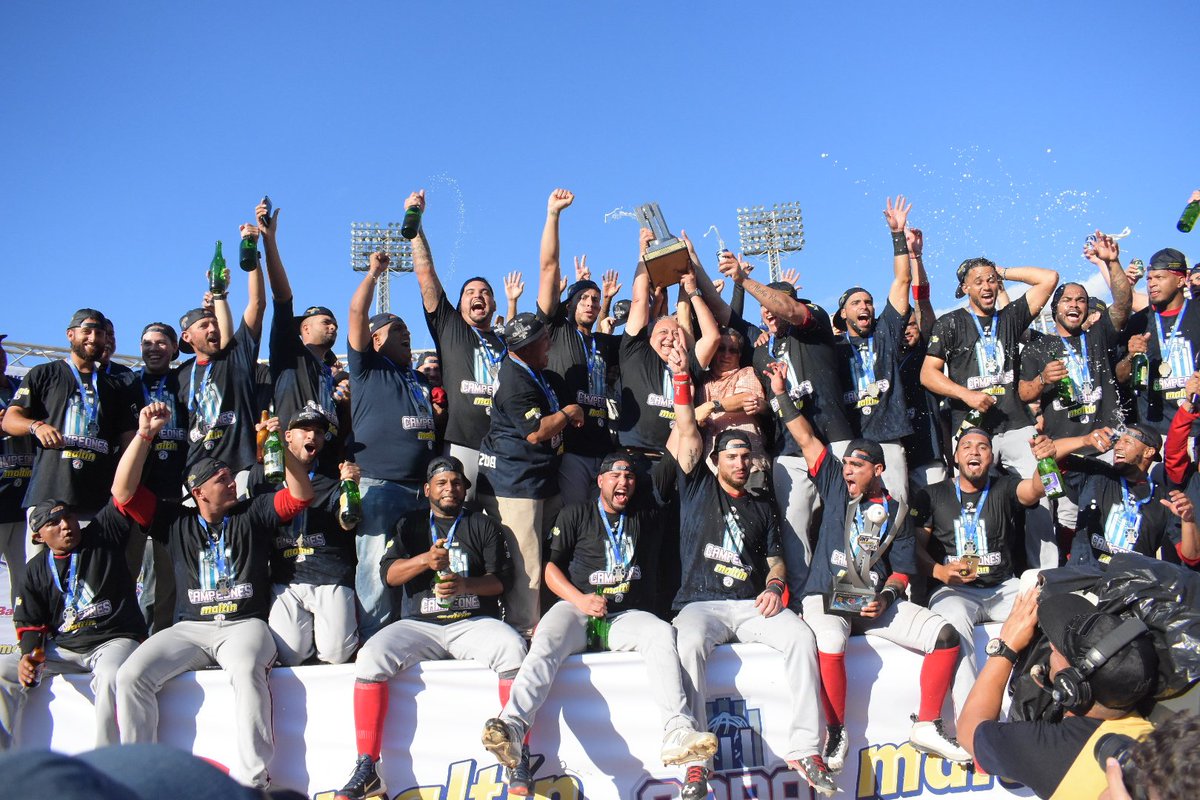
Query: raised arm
(639, 305)
(427, 277)
(686, 443)
(128, 476)
(1041, 282)
(514, 287)
(358, 332)
(790, 416)
(897, 218)
(1138, 300)
(224, 316)
(256, 293)
(1108, 253)
(772, 300)
(1031, 490)
(920, 282)
(609, 286)
(281, 286)
(710, 333)
(548, 291)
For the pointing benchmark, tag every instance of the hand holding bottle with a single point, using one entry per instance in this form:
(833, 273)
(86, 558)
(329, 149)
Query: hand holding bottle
(437, 558)
(594, 605)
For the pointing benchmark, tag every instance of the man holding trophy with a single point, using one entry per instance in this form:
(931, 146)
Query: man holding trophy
(857, 580)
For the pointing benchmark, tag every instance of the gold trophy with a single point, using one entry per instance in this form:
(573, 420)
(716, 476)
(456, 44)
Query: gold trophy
(667, 257)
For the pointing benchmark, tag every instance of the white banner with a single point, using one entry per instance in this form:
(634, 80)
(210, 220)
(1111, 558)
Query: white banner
(8, 633)
(598, 735)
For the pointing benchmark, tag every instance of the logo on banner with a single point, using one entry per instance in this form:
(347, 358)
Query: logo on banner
(739, 734)
(466, 779)
(892, 770)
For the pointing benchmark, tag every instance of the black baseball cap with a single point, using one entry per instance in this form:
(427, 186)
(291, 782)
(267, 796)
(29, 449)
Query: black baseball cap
(1169, 259)
(164, 329)
(845, 298)
(202, 471)
(311, 416)
(732, 439)
(188, 320)
(1147, 436)
(446, 464)
(315, 311)
(618, 461)
(967, 266)
(425, 357)
(783, 286)
(958, 437)
(621, 311)
(83, 315)
(49, 510)
(1075, 626)
(865, 450)
(381, 321)
(577, 288)
(523, 330)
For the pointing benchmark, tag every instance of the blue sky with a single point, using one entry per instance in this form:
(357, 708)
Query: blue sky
(139, 133)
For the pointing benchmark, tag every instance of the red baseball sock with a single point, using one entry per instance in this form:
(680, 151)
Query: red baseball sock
(833, 686)
(505, 690)
(937, 671)
(370, 707)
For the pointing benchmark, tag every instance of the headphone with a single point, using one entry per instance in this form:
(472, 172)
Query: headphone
(1070, 688)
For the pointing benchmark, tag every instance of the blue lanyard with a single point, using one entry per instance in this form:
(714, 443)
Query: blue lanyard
(159, 388)
(300, 521)
(71, 593)
(616, 539)
(435, 534)
(1080, 359)
(1163, 340)
(193, 395)
(862, 360)
(217, 546)
(972, 523)
(988, 340)
(90, 408)
(595, 383)
(326, 398)
(551, 398)
(414, 388)
(1131, 503)
(486, 346)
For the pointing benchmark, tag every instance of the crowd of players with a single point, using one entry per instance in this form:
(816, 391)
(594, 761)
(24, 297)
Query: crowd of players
(692, 480)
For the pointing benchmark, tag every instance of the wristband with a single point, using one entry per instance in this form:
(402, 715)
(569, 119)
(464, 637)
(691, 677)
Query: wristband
(683, 390)
(717, 405)
(891, 593)
(149, 439)
(787, 409)
(899, 243)
(221, 296)
(33, 426)
(776, 585)
(920, 292)
(695, 293)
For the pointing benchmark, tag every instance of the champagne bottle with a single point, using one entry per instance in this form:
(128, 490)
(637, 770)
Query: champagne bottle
(218, 273)
(261, 438)
(1186, 220)
(1139, 372)
(1068, 395)
(38, 656)
(438, 577)
(273, 458)
(972, 420)
(412, 222)
(349, 504)
(1051, 477)
(248, 254)
(597, 630)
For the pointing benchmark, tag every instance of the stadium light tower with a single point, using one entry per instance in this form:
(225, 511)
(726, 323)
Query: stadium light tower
(771, 232)
(366, 238)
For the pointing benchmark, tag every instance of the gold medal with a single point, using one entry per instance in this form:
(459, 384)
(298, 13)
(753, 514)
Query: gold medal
(1164, 369)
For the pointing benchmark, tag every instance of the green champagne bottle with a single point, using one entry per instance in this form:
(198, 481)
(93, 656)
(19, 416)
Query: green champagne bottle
(1188, 218)
(597, 630)
(218, 273)
(273, 458)
(1051, 476)
(1068, 395)
(349, 504)
(1139, 372)
(411, 223)
(248, 255)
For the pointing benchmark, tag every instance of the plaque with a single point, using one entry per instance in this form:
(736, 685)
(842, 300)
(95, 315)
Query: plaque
(848, 600)
(667, 257)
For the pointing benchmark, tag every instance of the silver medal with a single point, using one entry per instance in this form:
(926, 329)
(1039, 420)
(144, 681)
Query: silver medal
(873, 390)
(992, 366)
(618, 597)
(1164, 369)
(866, 411)
(727, 582)
(93, 429)
(69, 617)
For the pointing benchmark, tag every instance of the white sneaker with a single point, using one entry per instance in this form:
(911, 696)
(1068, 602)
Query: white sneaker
(929, 737)
(683, 745)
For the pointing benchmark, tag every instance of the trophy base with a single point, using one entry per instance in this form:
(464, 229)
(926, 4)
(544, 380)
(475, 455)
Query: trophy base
(667, 263)
(848, 601)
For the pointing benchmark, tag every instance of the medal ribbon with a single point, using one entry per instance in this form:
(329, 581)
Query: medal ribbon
(595, 382)
(1171, 342)
(615, 551)
(493, 360)
(1077, 363)
(159, 387)
(862, 361)
(1133, 508)
(194, 396)
(91, 408)
(989, 344)
(420, 397)
(970, 522)
(434, 533)
(216, 547)
(551, 398)
(71, 593)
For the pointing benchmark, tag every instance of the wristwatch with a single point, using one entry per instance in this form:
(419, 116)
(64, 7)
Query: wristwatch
(997, 647)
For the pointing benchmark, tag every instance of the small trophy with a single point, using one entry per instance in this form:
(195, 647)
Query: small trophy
(969, 557)
(667, 257)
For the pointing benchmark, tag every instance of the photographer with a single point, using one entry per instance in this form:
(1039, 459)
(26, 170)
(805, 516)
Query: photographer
(1101, 669)
(1163, 766)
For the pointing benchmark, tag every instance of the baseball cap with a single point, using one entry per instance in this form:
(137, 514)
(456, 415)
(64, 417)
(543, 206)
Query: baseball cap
(618, 461)
(966, 267)
(188, 320)
(577, 288)
(164, 329)
(865, 450)
(310, 416)
(83, 315)
(315, 311)
(202, 471)
(783, 286)
(845, 298)
(732, 439)
(382, 320)
(446, 464)
(621, 312)
(1147, 436)
(421, 361)
(1096, 304)
(971, 432)
(1075, 626)
(1168, 258)
(49, 510)
(523, 330)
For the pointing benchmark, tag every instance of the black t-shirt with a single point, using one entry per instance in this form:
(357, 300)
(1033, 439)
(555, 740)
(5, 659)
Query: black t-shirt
(509, 466)
(724, 541)
(1092, 376)
(219, 396)
(16, 461)
(924, 445)
(580, 545)
(812, 376)
(1041, 754)
(1157, 406)
(956, 340)
(647, 397)
(829, 557)
(301, 378)
(312, 548)
(477, 550)
(392, 412)
(871, 388)
(222, 570)
(576, 372)
(1109, 524)
(91, 419)
(105, 605)
(470, 361)
(938, 507)
(163, 471)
